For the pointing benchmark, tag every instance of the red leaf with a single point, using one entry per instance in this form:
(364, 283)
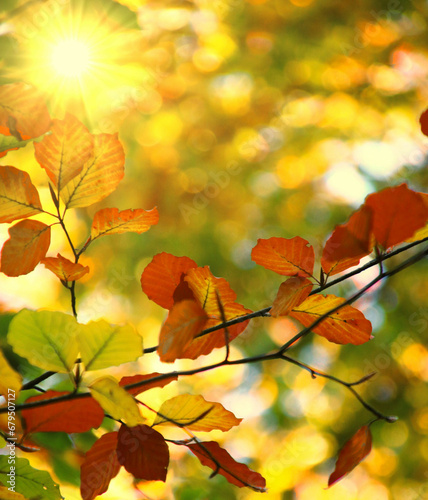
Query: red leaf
(291, 293)
(398, 213)
(288, 257)
(143, 452)
(348, 243)
(67, 416)
(28, 243)
(210, 454)
(100, 466)
(139, 378)
(423, 120)
(23, 106)
(162, 277)
(353, 452)
(64, 268)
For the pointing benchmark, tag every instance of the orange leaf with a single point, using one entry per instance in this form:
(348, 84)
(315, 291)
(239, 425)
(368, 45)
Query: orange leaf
(67, 416)
(348, 243)
(143, 452)
(28, 243)
(204, 285)
(353, 452)
(18, 196)
(423, 232)
(162, 277)
(65, 151)
(150, 385)
(345, 326)
(100, 467)
(111, 221)
(288, 257)
(185, 320)
(212, 455)
(22, 108)
(291, 293)
(423, 120)
(398, 213)
(64, 268)
(100, 175)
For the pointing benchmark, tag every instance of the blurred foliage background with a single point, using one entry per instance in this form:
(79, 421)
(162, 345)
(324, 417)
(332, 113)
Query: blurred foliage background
(244, 119)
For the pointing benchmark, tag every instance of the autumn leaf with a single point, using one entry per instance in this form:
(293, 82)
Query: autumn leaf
(64, 152)
(196, 414)
(18, 196)
(349, 242)
(291, 293)
(9, 378)
(398, 213)
(6, 494)
(66, 416)
(11, 143)
(31, 483)
(100, 175)
(64, 268)
(143, 452)
(103, 345)
(28, 243)
(352, 453)
(212, 455)
(162, 278)
(288, 257)
(185, 320)
(47, 339)
(205, 287)
(345, 326)
(115, 401)
(423, 232)
(423, 120)
(111, 221)
(149, 385)
(99, 467)
(23, 106)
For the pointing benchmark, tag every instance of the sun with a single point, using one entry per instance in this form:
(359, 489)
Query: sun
(71, 58)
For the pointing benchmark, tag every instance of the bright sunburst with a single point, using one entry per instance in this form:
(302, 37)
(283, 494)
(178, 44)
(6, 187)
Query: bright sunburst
(71, 58)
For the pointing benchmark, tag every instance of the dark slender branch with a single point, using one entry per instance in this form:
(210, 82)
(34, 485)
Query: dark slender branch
(32, 383)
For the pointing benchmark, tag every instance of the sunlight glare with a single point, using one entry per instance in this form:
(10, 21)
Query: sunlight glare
(71, 58)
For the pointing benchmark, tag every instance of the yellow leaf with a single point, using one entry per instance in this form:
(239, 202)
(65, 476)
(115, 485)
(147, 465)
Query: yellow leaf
(100, 175)
(9, 378)
(65, 151)
(18, 196)
(195, 413)
(6, 494)
(345, 326)
(291, 293)
(64, 268)
(115, 401)
(47, 339)
(103, 345)
(111, 221)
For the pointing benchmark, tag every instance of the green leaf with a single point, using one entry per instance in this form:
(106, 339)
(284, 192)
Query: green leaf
(10, 142)
(47, 339)
(103, 345)
(32, 483)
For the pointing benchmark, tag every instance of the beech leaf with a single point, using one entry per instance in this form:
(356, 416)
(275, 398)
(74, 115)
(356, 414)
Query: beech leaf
(10, 143)
(99, 467)
(99, 176)
(196, 414)
(111, 221)
(143, 452)
(47, 339)
(345, 326)
(65, 151)
(67, 416)
(352, 453)
(64, 268)
(162, 278)
(115, 401)
(149, 385)
(9, 378)
(103, 345)
(212, 455)
(291, 293)
(185, 320)
(288, 257)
